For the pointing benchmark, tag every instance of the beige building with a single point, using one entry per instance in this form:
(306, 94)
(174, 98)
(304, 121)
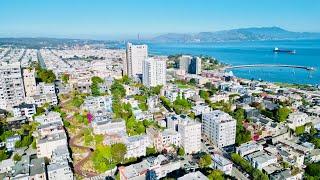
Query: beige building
(29, 80)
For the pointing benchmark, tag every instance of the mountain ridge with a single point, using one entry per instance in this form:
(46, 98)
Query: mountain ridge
(241, 34)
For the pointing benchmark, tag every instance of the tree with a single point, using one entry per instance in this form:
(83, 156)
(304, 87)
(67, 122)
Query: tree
(65, 78)
(77, 101)
(17, 157)
(204, 94)
(117, 90)
(193, 81)
(118, 151)
(46, 76)
(181, 105)
(239, 114)
(165, 101)
(151, 151)
(95, 89)
(299, 130)
(216, 175)
(282, 114)
(313, 170)
(205, 161)
(181, 151)
(3, 155)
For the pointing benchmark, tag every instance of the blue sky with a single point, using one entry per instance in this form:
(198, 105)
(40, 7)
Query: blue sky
(127, 18)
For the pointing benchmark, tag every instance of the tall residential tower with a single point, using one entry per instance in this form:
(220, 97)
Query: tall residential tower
(154, 72)
(11, 85)
(135, 55)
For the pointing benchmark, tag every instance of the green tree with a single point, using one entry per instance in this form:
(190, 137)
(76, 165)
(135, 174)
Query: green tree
(205, 161)
(118, 151)
(282, 114)
(117, 90)
(193, 81)
(151, 151)
(181, 105)
(216, 175)
(181, 151)
(17, 157)
(165, 101)
(299, 130)
(312, 170)
(65, 78)
(46, 76)
(204, 94)
(95, 89)
(77, 101)
(3, 155)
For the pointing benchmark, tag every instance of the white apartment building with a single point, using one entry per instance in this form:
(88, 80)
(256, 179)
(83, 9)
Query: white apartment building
(165, 139)
(154, 72)
(261, 159)
(190, 132)
(108, 127)
(11, 85)
(46, 145)
(23, 109)
(136, 146)
(59, 171)
(46, 88)
(48, 118)
(219, 127)
(136, 54)
(29, 80)
(297, 119)
(248, 148)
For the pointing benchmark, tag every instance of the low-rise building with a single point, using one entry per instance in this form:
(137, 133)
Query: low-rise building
(59, 171)
(23, 109)
(261, 159)
(165, 139)
(194, 176)
(248, 148)
(11, 141)
(297, 119)
(46, 145)
(222, 164)
(47, 118)
(136, 145)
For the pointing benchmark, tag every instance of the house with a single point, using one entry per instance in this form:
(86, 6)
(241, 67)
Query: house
(11, 141)
(6, 165)
(24, 109)
(222, 164)
(59, 171)
(37, 169)
(194, 176)
(46, 145)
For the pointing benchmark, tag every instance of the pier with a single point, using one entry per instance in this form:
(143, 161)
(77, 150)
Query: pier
(271, 65)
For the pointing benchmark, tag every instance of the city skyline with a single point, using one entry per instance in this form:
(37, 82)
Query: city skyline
(111, 20)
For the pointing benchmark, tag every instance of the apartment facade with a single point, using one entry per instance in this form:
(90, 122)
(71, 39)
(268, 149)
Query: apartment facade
(29, 79)
(219, 127)
(135, 55)
(154, 72)
(11, 85)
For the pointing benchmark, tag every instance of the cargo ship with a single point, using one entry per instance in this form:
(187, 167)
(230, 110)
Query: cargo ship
(277, 50)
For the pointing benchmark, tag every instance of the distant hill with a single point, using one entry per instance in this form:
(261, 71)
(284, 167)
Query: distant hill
(244, 34)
